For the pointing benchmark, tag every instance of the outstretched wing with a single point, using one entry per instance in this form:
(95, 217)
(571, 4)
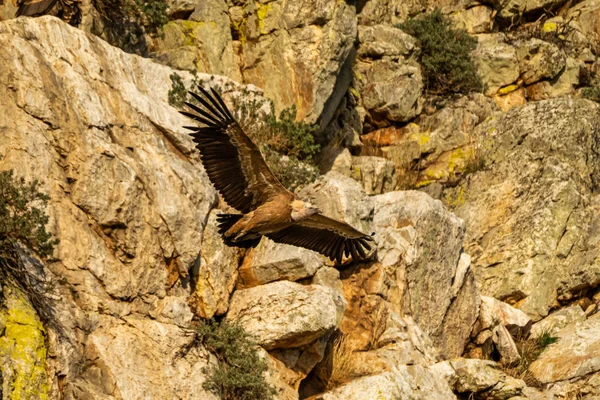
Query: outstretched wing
(232, 161)
(35, 7)
(327, 236)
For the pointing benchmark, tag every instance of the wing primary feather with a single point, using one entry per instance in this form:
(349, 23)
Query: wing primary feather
(353, 251)
(360, 250)
(222, 103)
(365, 244)
(196, 117)
(215, 105)
(340, 251)
(205, 114)
(332, 250)
(210, 108)
(328, 246)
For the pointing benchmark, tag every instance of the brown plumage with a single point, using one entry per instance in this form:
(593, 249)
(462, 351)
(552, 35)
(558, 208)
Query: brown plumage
(238, 171)
(35, 7)
(67, 10)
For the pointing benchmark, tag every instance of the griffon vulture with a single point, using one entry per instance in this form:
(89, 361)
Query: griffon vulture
(238, 171)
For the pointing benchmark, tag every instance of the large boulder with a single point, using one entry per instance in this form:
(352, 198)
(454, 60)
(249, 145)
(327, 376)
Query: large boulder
(300, 53)
(539, 60)
(412, 382)
(390, 89)
(128, 202)
(384, 40)
(420, 278)
(271, 261)
(574, 356)
(558, 320)
(496, 61)
(531, 210)
(286, 314)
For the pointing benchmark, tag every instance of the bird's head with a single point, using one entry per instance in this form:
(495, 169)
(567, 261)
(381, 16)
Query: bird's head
(302, 210)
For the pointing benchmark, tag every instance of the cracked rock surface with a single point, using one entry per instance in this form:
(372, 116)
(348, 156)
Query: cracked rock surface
(531, 211)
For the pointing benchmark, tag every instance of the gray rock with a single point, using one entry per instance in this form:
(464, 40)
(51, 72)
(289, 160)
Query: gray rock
(384, 40)
(539, 60)
(441, 144)
(496, 62)
(128, 201)
(376, 174)
(556, 321)
(330, 277)
(390, 89)
(203, 43)
(477, 19)
(531, 211)
(217, 273)
(513, 9)
(482, 379)
(574, 355)
(286, 314)
(300, 54)
(271, 261)
(407, 382)
(424, 266)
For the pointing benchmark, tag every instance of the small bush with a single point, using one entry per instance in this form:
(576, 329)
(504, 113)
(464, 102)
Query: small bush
(127, 22)
(291, 138)
(152, 14)
(22, 216)
(444, 55)
(23, 224)
(239, 371)
(178, 93)
(288, 146)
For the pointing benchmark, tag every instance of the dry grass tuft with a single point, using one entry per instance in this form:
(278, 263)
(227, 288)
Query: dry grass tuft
(529, 349)
(379, 325)
(343, 364)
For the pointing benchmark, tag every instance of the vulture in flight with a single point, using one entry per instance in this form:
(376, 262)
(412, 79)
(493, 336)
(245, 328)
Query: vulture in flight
(238, 171)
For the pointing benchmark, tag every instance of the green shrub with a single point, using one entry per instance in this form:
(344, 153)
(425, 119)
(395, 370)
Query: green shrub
(178, 93)
(287, 145)
(444, 55)
(152, 14)
(291, 138)
(22, 216)
(127, 22)
(292, 172)
(238, 374)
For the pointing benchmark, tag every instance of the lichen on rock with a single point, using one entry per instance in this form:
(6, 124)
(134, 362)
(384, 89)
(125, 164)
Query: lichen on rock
(23, 348)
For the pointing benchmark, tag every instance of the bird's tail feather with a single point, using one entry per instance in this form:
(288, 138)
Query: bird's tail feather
(226, 221)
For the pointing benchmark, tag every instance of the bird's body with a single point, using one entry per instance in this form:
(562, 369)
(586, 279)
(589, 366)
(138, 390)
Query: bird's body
(238, 171)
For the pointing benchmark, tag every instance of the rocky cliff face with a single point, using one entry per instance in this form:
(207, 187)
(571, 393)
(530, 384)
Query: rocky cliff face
(494, 249)
(139, 256)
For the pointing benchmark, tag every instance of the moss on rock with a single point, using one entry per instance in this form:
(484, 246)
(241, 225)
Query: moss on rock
(22, 349)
